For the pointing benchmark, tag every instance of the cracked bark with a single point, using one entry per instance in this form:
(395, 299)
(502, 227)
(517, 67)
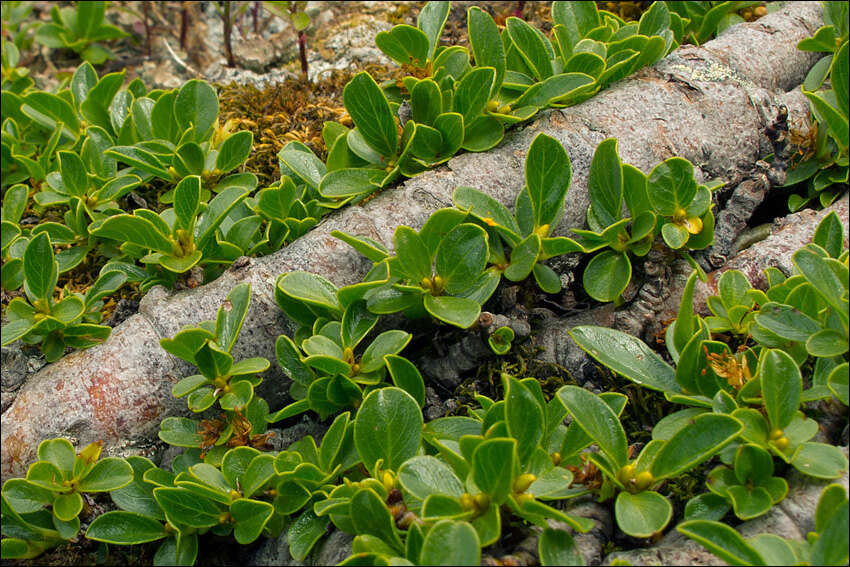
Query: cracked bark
(708, 104)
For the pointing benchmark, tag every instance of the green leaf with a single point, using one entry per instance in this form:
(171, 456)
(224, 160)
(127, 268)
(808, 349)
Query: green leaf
(187, 196)
(837, 382)
(182, 506)
(695, 443)
(141, 158)
(40, 271)
(371, 517)
(413, 255)
(749, 502)
(196, 106)
(110, 473)
(304, 532)
(424, 475)
(706, 506)
(671, 186)
(406, 376)
(494, 465)
(365, 102)
(404, 44)
(388, 426)
(240, 395)
(829, 234)
(485, 207)
(627, 356)
(487, 47)
(451, 542)
(786, 322)
(462, 256)
(349, 182)
(137, 230)
(250, 517)
(824, 275)
(458, 311)
(431, 20)
(721, 540)
(819, 460)
(231, 316)
(675, 235)
(642, 514)
(66, 507)
(605, 185)
(388, 342)
(839, 78)
(524, 417)
(301, 159)
(234, 150)
(598, 420)
(523, 258)
(547, 176)
(212, 361)
(827, 343)
(607, 275)
(557, 547)
(180, 431)
(137, 497)
(530, 47)
(311, 289)
(781, 385)
(73, 173)
(357, 321)
(125, 528)
(831, 547)
(473, 91)
(482, 134)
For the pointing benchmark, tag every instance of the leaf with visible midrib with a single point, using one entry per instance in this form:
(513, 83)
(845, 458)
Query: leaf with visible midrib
(388, 426)
(371, 113)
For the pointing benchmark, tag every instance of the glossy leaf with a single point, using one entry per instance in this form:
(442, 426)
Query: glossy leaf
(388, 426)
(642, 514)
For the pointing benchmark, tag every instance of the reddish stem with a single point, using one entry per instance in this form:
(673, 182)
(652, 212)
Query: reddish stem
(228, 30)
(518, 10)
(184, 24)
(146, 9)
(302, 49)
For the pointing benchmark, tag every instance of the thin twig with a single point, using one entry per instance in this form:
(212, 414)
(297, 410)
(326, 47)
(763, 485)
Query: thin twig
(178, 60)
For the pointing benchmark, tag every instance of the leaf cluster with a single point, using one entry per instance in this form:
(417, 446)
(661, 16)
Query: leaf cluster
(668, 203)
(761, 386)
(825, 166)
(80, 28)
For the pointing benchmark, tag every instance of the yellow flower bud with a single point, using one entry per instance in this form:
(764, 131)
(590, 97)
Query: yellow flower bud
(467, 502)
(492, 106)
(556, 458)
(781, 443)
(425, 283)
(643, 480)
(775, 434)
(482, 502)
(627, 474)
(523, 498)
(523, 481)
(693, 225)
(388, 480)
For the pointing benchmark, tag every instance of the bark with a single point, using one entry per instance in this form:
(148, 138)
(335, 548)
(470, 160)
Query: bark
(708, 104)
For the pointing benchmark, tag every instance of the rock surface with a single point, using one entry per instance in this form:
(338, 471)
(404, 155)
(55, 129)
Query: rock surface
(690, 104)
